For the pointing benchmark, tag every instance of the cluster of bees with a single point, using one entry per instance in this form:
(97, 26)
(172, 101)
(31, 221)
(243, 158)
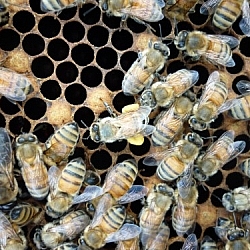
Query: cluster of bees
(49, 175)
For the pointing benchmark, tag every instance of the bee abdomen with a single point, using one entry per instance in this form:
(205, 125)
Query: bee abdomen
(242, 110)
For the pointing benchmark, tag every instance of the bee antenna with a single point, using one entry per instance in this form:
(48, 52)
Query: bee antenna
(217, 197)
(160, 31)
(235, 222)
(85, 125)
(88, 11)
(109, 109)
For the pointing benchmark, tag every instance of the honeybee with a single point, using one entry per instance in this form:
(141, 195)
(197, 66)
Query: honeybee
(184, 213)
(58, 6)
(237, 200)
(222, 227)
(108, 228)
(160, 240)
(211, 103)
(91, 178)
(11, 236)
(241, 110)
(164, 92)
(190, 243)
(8, 183)
(30, 159)
(140, 11)
(61, 144)
(66, 246)
(142, 72)
(214, 48)
(168, 124)
(4, 13)
(226, 13)
(245, 220)
(179, 9)
(23, 214)
(217, 155)
(68, 228)
(64, 187)
(132, 124)
(152, 214)
(13, 86)
(173, 162)
(208, 243)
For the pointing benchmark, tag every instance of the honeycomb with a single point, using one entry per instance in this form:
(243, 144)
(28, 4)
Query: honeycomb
(75, 59)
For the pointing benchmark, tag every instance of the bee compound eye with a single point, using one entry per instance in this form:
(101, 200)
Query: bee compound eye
(97, 138)
(95, 127)
(191, 138)
(228, 197)
(231, 208)
(20, 140)
(31, 138)
(105, 6)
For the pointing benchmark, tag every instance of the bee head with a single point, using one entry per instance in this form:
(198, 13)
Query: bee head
(95, 132)
(180, 40)
(197, 125)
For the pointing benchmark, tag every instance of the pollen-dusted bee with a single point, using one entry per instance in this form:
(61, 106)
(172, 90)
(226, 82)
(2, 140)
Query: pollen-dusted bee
(30, 159)
(142, 72)
(11, 236)
(68, 228)
(179, 9)
(140, 11)
(217, 155)
(214, 48)
(61, 144)
(237, 200)
(184, 213)
(108, 228)
(58, 6)
(164, 92)
(208, 243)
(8, 183)
(173, 162)
(23, 214)
(241, 111)
(190, 243)
(14, 86)
(168, 124)
(226, 12)
(212, 102)
(4, 13)
(152, 214)
(132, 124)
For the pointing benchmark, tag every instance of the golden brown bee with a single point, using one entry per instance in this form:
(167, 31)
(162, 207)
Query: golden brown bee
(208, 243)
(152, 214)
(11, 236)
(64, 186)
(58, 6)
(241, 111)
(190, 243)
(4, 13)
(140, 11)
(184, 213)
(173, 162)
(23, 214)
(8, 183)
(237, 200)
(61, 144)
(142, 72)
(217, 155)
(132, 124)
(67, 246)
(68, 228)
(164, 92)
(14, 86)
(168, 124)
(226, 12)
(211, 103)
(108, 227)
(179, 9)
(214, 48)
(30, 159)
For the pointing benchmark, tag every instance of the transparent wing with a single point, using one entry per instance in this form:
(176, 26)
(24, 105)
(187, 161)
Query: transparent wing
(245, 21)
(136, 192)
(126, 232)
(149, 129)
(190, 243)
(209, 7)
(228, 105)
(243, 86)
(185, 182)
(235, 149)
(89, 193)
(230, 40)
(54, 174)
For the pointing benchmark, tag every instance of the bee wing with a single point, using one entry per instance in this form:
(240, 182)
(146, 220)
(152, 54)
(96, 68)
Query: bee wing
(190, 243)
(230, 40)
(126, 232)
(209, 7)
(54, 174)
(245, 21)
(6, 230)
(136, 192)
(235, 149)
(148, 130)
(185, 182)
(243, 86)
(89, 193)
(228, 105)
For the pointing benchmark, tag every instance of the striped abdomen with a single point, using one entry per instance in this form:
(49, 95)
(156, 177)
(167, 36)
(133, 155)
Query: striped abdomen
(241, 111)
